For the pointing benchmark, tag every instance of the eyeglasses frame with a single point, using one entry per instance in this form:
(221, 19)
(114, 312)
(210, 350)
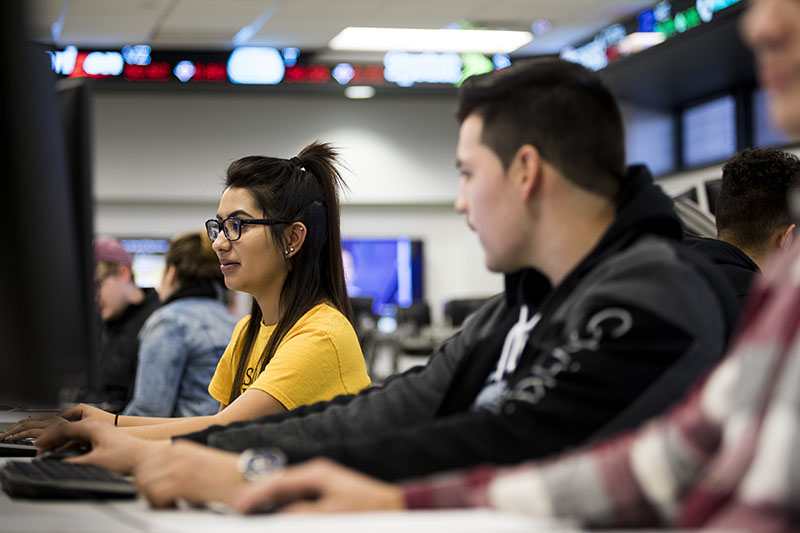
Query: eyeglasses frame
(242, 222)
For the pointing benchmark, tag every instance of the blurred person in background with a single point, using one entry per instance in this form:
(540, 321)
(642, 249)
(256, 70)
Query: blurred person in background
(181, 343)
(752, 214)
(123, 308)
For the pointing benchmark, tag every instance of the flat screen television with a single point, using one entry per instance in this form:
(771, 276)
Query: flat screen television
(765, 133)
(709, 131)
(148, 259)
(390, 271)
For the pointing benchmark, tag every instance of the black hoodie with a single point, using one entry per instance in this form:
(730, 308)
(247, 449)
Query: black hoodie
(621, 338)
(732, 262)
(119, 348)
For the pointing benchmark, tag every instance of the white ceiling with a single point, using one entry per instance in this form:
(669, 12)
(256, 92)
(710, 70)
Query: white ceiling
(306, 24)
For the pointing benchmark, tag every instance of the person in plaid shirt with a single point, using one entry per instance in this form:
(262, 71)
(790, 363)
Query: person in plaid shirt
(725, 457)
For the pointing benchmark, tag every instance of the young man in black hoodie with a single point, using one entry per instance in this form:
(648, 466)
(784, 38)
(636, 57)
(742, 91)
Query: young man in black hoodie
(604, 321)
(752, 214)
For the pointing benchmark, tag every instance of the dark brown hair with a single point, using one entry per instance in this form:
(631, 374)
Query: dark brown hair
(562, 109)
(302, 189)
(194, 259)
(752, 200)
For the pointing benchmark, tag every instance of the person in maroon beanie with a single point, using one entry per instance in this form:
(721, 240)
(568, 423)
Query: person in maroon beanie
(123, 308)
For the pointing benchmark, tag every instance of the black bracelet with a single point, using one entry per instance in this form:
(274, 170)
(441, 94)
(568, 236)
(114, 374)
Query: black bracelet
(116, 418)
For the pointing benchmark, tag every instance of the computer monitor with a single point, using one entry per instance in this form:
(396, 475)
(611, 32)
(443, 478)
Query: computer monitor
(765, 133)
(709, 131)
(149, 259)
(713, 188)
(46, 321)
(390, 271)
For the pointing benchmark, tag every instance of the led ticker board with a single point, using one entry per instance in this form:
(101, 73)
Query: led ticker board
(667, 18)
(265, 66)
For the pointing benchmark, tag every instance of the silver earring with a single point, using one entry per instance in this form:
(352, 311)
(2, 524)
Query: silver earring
(286, 253)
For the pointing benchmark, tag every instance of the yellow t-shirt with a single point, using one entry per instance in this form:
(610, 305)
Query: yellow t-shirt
(318, 358)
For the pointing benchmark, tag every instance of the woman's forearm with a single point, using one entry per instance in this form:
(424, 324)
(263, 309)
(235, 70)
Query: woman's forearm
(171, 427)
(249, 406)
(133, 421)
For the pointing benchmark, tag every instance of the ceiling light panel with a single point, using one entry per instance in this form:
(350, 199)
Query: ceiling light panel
(428, 40)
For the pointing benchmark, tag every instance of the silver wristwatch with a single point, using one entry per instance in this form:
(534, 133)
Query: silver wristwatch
(259, 462)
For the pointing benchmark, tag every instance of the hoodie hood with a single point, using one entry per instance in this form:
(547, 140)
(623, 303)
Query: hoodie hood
(722, 253)
(734, 264)
(642, 208)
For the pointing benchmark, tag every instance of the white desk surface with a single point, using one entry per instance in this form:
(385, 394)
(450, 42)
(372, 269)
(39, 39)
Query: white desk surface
(21, 516)
(85, 516)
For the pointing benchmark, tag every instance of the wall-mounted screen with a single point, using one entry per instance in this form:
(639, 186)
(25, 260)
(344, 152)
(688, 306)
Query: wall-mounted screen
(649, 138)
(148, 260)
(709, 131)
(765, 134)
(387, 270)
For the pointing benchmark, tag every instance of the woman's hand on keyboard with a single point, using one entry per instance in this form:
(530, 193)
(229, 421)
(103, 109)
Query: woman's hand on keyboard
(108, 446)
(32, 426)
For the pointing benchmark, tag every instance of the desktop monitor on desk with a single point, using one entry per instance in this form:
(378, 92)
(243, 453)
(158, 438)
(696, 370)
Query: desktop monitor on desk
(149, 259)
(387, 270)
(46, 310)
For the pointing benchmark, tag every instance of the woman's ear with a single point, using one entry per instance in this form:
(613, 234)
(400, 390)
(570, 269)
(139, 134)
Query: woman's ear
(169, 282)
(295, 237)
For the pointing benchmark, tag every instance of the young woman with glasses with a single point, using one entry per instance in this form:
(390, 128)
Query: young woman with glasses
(277, 238)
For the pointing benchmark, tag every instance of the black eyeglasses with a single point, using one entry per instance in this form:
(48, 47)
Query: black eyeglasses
(232, 226)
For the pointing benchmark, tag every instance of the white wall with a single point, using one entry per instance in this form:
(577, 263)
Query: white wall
(159, 160)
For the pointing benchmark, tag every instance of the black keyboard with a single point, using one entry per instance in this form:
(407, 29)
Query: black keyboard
(53, 479)
(17, 448)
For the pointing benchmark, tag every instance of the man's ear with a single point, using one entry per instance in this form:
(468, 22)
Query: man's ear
(528, 163)
(124, 272)
(785, 236)
(295, 237)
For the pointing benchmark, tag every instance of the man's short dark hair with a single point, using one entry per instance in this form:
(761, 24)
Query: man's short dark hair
(561, 108)
(752, 200)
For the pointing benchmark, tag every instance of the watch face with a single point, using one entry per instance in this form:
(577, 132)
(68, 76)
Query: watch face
(258, 463)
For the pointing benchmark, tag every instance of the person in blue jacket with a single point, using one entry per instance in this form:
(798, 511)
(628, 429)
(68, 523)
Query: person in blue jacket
(181, 343)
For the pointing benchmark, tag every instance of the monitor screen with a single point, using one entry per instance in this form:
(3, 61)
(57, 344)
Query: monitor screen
(765, 134)
(148, 260)
(650, 138)
(387, 270)
(709, 131)
(46, 322)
